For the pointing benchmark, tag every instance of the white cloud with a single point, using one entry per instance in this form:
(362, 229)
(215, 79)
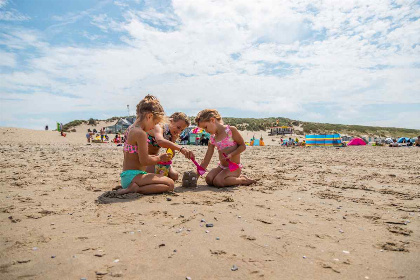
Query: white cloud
(7, 59)
(352, 53)
(3, 3)
(10, 14)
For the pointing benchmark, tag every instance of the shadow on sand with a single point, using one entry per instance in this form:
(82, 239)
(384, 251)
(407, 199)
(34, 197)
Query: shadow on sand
(205, 188)
(113, 197)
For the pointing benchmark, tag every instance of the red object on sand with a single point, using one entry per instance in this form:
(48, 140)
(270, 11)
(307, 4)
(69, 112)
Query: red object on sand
(356, 142)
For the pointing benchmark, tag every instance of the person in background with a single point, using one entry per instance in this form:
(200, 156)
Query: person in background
(46, 127)
(102, 134)
(417, 143)
(88, 136)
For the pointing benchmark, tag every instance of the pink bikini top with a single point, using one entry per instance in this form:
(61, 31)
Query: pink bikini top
(224, 143)
(131, 149)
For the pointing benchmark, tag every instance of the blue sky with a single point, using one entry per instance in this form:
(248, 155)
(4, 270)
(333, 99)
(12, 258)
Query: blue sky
(350, 62)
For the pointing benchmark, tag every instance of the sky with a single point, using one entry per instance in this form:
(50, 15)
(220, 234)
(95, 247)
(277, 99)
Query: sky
(334, 61)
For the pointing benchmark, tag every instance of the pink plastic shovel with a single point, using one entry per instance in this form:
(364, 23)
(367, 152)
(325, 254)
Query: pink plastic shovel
(200, 170)
(232, 165)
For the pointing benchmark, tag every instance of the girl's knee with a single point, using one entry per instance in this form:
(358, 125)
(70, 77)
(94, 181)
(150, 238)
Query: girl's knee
(219, 182)
(209, 180)
(171, 184)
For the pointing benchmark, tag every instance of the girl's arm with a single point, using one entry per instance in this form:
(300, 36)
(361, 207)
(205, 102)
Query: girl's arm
(237, 137)
(208, 156)
(168, 144)
(144, 158)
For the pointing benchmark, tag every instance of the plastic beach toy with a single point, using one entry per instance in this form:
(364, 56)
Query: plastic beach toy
(200, 170)
(232, 165)
(162, 168)
(170, 153)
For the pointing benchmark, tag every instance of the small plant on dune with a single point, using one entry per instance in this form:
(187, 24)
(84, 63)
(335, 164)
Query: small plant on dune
(91, 121)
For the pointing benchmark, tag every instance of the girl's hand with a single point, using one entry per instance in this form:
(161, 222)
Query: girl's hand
(164, 157)
(228, 157)
(187, 153)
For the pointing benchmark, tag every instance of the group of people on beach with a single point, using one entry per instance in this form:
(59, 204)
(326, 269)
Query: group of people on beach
(150, 132)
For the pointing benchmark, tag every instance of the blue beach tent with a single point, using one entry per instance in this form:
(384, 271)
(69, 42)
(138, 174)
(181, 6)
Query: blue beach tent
(404, 140)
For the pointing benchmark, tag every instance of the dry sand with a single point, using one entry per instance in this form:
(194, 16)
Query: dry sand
(316, 213)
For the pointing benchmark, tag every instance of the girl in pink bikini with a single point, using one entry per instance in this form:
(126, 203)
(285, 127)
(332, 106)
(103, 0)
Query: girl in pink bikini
(228, 141)
(134, 178)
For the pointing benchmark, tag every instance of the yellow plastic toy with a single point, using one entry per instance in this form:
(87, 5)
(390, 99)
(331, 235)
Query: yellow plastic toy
(170, 153)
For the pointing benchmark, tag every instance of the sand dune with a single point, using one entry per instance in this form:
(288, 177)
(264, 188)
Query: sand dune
(316, 213)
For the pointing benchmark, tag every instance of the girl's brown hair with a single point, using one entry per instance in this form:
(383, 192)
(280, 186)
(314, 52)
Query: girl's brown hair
(206, 114)
(150, 104)
(179, 116)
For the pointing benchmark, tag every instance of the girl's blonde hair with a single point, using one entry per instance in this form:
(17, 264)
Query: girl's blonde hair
(206, 114)
(179, 116)
(150, 104)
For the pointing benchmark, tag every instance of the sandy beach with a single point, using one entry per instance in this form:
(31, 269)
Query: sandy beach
(315, 213)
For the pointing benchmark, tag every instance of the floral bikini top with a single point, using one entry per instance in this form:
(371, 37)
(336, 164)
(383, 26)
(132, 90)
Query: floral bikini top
(226, 142)
(131, 149)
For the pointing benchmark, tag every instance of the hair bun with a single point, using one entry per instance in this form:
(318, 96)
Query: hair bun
(150, 97)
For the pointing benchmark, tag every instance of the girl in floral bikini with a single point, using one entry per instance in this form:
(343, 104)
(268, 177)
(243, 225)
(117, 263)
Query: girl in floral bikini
(228, 141)
(165, 137)
(134, 177)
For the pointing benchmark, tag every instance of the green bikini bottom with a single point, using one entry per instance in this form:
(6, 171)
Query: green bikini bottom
(128, 175)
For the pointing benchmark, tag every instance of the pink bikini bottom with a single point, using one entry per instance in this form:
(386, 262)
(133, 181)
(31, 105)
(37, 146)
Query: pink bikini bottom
(226, 167)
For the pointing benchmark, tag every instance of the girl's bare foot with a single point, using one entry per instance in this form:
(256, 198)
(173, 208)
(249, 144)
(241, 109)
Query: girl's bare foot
(247, 181)
(132, 188)
(117, 188)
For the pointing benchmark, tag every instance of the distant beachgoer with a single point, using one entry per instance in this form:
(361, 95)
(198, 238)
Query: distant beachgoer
(409, 143)
(290, 142)
(165, 137)
(204, 140)
(184, 139)
(46, 127)
(61, 129)
(89, 136)
(134, 178)
(95, 131)
(229, 142)
(394, 144)
(102, 134)
(417, 142)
